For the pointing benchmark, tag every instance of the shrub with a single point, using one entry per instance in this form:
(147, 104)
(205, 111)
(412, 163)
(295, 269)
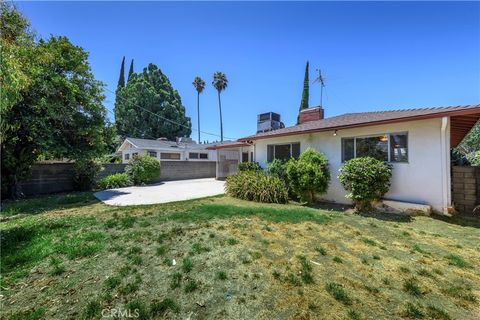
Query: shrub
(255, 186)
(249, 166)
(84, 172)
(277, 168)
(474, 158)
(366, 179)
(117, 180)
(143, 169)
(308, 175)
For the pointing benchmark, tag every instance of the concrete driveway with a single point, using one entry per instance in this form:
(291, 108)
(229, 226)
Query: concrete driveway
(168, 191)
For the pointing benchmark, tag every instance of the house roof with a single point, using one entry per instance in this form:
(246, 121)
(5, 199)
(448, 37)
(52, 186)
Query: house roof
(362, 119)
(162, 144)
(227, 144)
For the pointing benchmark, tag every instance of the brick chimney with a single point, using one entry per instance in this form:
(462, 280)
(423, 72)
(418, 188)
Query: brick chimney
(311, 114)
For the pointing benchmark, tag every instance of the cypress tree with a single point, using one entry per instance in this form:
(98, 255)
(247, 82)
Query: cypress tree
(130, 71)
(305, 94)
(121, 79)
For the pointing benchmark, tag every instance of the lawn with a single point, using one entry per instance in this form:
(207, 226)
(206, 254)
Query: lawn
(69, 256)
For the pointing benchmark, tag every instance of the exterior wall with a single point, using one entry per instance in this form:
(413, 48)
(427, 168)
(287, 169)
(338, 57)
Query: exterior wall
(466, 188)
(420, 180)
(181, 170)
(184, 153)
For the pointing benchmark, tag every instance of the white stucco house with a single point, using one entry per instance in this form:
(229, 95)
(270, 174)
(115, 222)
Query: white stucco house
(417, 142)
(165, 150)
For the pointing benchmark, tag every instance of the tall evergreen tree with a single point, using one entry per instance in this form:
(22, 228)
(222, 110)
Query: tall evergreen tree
(130, 71)
(199, 85)
(220, 83)
(149, 107)
(121, 78)
(305, 93)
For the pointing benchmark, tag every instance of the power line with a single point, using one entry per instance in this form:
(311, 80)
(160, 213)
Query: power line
(171, 121)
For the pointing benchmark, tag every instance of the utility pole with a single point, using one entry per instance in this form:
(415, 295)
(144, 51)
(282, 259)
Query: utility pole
(321, 80)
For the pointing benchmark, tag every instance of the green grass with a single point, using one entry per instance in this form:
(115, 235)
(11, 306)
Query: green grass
(286, 260)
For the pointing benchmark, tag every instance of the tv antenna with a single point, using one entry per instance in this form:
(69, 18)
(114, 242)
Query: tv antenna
(321, 80)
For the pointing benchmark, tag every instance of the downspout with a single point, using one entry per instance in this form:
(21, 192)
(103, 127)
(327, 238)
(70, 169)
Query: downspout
(445, 163)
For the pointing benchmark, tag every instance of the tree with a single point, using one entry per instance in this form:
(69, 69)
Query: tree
(121, 78)
(220, 83)
(199, 85)
(148, 107)
(55, 112)
(130, 71)
(305, 93)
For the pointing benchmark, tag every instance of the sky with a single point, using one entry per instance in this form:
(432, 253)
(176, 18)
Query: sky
(374, 55)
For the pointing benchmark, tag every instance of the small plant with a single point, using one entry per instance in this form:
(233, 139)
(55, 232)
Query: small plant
(276, 275)
(139, 309)
(457, 261)
(161, 250)
(232, 241)
(176, 280)
(404, 269)
(255, 186)
(417, 248)
(143, 169)
(57, 267)
(376, 257)
(338, 293)
(190, 286)
(221, 275)
(370, 242)
(293, 280)
(321, 250)
(354, 315)
(308, 175)
(249, 166)
(425, 273)
(413, 311)
(160, 308)
(436, 313)
(197, 248)
(337, 259)
(112, 282)
(306, 269)
(411, 286)
(113, 181)
(92, 309)
(187, 265)
(366, 179)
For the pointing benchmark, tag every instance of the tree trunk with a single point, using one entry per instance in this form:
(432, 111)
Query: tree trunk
(221, 122)
(198, 115)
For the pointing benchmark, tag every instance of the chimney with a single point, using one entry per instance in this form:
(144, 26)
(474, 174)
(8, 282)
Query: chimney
(311, 114)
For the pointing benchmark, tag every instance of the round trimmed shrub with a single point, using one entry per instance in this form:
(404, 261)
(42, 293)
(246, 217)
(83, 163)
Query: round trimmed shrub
(113, 181)
(249, 166)
(255, 186)
(308, 175)
(366, 179)
(143, 169)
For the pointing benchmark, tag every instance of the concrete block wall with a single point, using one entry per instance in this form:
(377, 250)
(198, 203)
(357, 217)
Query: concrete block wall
(465, 188)
(181, 170)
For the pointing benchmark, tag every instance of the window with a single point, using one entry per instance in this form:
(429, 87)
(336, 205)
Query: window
(389, 147)
(283, 151)
(203, 155)
(170, 156)
(135, 154)
(244, 156)
(127, 156)
(152, 154)
(193, 155)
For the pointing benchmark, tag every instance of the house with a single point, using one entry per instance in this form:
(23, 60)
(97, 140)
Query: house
(417, 142)
(184, 149)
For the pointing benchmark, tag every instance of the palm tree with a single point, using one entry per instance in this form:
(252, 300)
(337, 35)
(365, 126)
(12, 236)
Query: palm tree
(199, 85)
(220, 83)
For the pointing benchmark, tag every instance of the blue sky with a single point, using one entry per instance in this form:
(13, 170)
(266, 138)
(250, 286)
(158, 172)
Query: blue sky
(374, 55)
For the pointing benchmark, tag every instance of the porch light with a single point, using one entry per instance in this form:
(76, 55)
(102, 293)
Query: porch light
(384, 138)
(335, 133)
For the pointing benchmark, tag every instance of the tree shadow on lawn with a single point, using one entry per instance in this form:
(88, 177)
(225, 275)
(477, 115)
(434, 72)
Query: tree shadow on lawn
(460, 220)
(40, 204)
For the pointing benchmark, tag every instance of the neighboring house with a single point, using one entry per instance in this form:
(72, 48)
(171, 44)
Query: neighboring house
(184, 149)
(417, 142)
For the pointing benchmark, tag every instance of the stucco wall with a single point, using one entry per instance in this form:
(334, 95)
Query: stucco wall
(419, 180)
(212, 155)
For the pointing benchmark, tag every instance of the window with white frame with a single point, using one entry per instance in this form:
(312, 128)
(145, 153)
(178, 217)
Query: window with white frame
(152, 154)
(127, 156)
(283, 151)
(391, 147)
(169, 156)
(197, 155)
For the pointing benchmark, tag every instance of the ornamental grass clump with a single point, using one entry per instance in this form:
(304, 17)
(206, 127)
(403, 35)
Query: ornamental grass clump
(366, 179)
(113, 181)
(255, 186)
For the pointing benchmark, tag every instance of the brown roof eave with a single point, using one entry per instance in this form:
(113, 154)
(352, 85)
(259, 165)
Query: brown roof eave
(366, 124)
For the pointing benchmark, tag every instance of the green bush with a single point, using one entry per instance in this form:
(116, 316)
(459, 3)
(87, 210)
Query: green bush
(249, 166)
(84, 172)
(255, 186)
(143, 169)
(277, 168)
(366, 179)
(474, 158)
(308, 175)
(117, 180)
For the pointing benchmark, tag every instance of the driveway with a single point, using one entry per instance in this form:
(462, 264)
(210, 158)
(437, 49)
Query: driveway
(168, 191)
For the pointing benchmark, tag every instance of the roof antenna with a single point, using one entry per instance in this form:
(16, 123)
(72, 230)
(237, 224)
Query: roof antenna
(321, 80)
